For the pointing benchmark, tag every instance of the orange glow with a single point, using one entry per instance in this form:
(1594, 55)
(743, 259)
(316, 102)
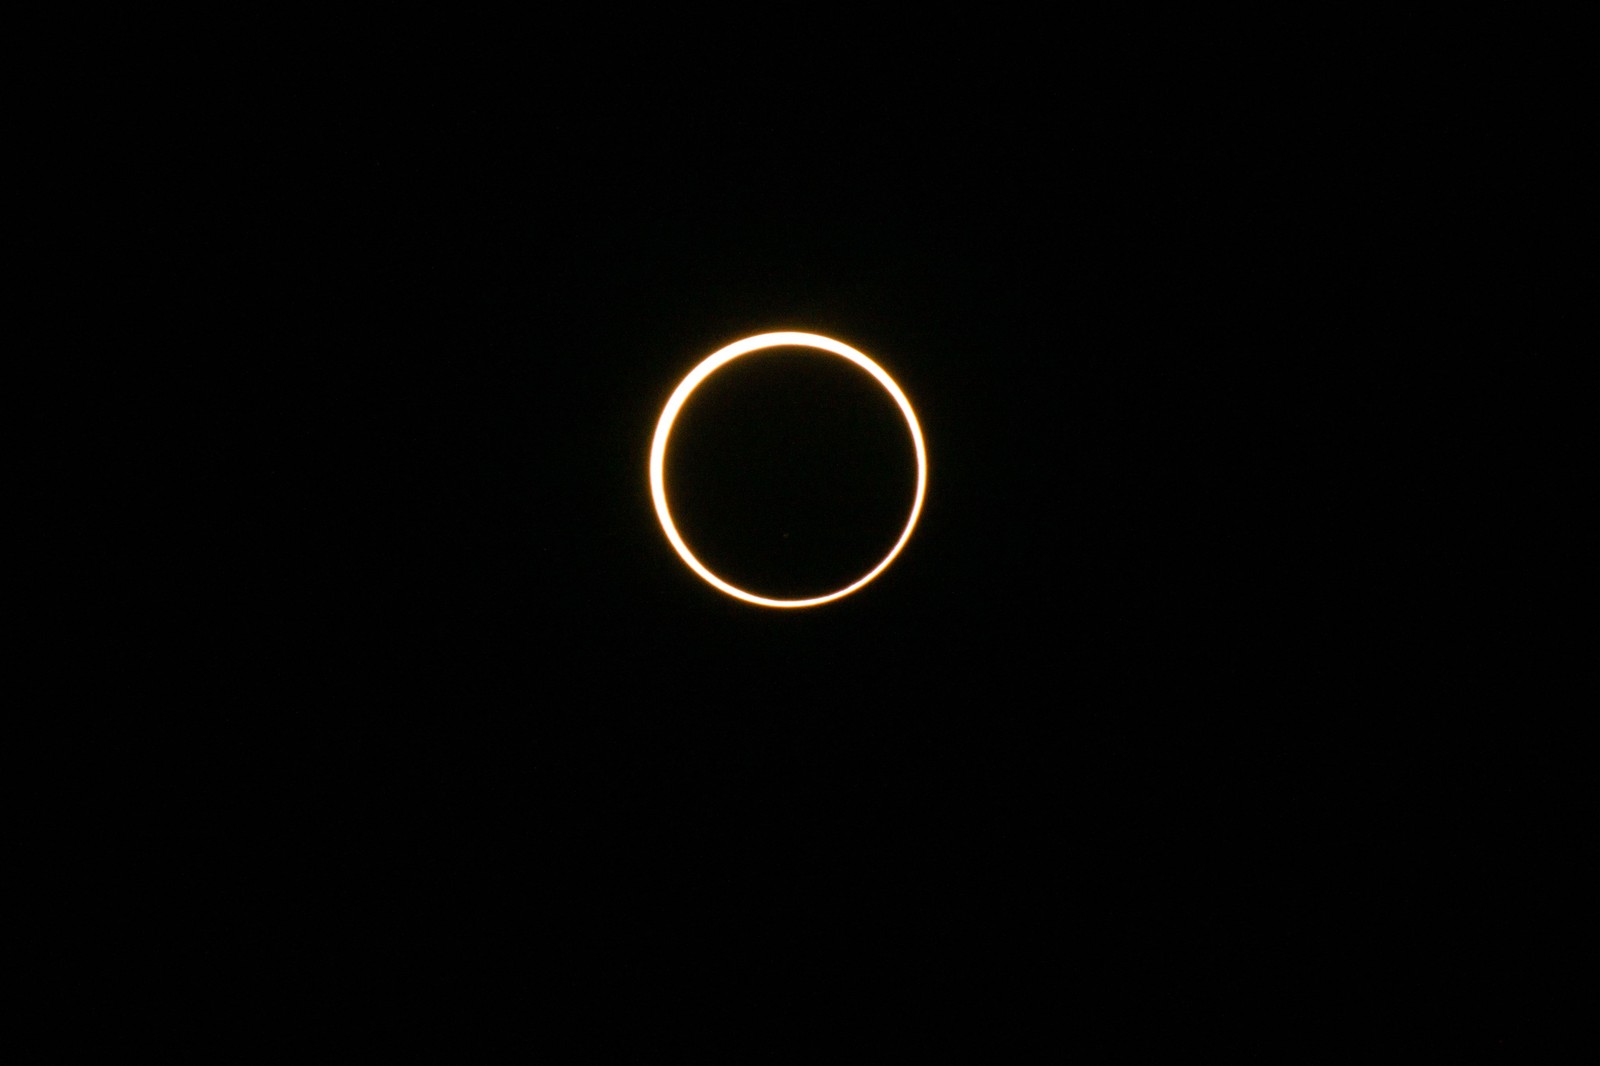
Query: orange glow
(716, 361)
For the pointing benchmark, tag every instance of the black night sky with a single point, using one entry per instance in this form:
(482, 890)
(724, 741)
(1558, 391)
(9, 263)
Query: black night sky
(1124, 745)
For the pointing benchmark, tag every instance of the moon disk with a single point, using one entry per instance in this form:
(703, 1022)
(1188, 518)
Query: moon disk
(716, 361)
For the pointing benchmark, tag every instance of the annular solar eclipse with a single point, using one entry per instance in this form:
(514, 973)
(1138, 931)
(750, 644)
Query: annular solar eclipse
(716, 361)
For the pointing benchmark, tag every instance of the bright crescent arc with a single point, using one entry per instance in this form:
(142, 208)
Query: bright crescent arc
(710, 365)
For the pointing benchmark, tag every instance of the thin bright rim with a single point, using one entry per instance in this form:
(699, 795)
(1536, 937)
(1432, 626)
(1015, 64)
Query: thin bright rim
(710, 365)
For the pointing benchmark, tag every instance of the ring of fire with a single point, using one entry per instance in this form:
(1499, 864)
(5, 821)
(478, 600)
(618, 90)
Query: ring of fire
(716, 361)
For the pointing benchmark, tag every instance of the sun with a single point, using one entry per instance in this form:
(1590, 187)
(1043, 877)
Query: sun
(716, 361)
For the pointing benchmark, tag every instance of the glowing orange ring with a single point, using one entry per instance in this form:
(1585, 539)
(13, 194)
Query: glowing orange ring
(716, 361)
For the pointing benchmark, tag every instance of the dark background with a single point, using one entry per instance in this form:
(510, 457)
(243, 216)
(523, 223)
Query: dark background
(1142, 735)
